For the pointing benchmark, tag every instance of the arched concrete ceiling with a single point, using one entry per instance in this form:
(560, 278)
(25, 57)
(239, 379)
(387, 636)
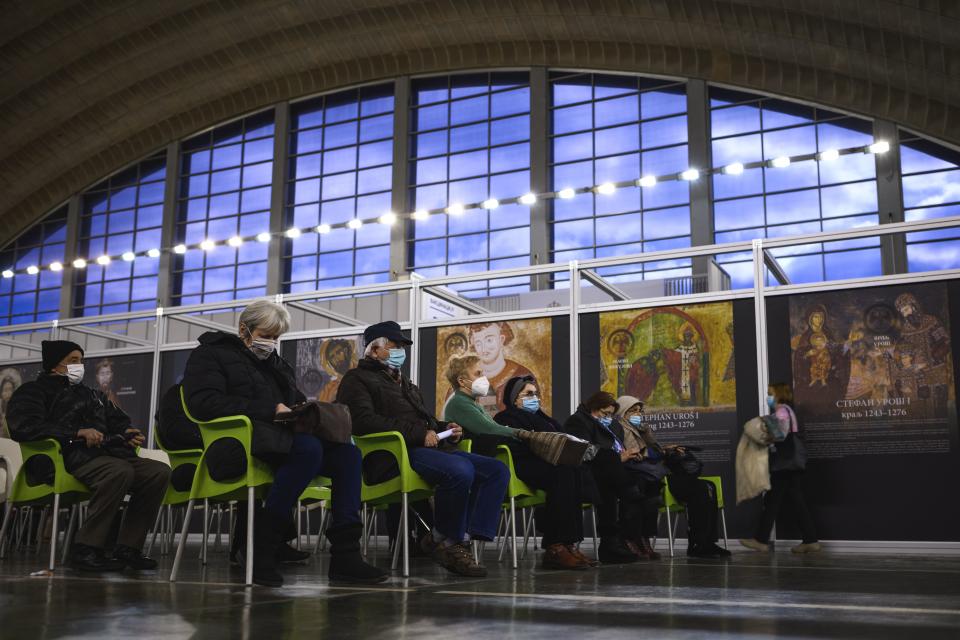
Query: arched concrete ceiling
(87, 87)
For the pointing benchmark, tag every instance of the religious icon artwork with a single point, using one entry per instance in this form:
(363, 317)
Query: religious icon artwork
(670, 357)
(876, 354)
(506, 349)
(321, 364)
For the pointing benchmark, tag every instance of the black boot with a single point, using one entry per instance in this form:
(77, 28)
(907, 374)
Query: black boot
(346, 563)
(612, 550)
(93, 559)
(267, 534)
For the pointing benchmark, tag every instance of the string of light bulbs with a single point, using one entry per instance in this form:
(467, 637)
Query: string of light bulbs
(457, 209)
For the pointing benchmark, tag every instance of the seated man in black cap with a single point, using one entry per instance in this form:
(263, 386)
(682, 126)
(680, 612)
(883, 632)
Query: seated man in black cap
(98, 449)
(469, 488)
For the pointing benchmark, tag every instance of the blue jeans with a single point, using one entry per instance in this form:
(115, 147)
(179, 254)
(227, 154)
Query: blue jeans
(469, 491)
(310, 457)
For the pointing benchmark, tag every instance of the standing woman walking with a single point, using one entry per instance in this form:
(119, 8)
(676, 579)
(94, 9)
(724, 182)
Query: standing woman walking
(788, 461)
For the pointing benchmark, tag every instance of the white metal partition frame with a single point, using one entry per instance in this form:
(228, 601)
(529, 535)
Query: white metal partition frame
(24, 336)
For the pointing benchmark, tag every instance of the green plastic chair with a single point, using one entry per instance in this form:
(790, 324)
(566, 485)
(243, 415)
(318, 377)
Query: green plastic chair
(406, 487)
(65, 488)
(519, 494)
(672, 505)
(253, 483)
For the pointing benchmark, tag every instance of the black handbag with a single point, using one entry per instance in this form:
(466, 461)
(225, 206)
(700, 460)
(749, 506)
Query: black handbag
(647, 469)
(789, 455)
(684, 464)
(326, 420)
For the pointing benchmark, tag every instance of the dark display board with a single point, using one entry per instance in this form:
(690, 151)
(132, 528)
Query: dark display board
(125, 380)
(883, 429)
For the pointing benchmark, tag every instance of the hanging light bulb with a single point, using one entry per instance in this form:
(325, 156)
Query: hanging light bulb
(235, 241)
(79, 263)
(7, 273)
(528, 199)
(293, 233)
(323, 228)
(880, 146)
(153, 253)
(180, 249)
(455, 209)
(208, 245)
(490, 203)
(647, 181)
(606, 188)
(733, 169)
(690, 175)
(33, 269)
(566, 193)
(56, 266)
(828, 156)
(420, 214)
(780, 162)
(129, 256)
(388, 218)
(355, 223)
(103, 260)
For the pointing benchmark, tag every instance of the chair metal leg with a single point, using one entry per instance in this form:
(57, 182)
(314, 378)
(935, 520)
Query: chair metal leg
(723, 520)
(506, 533)
(153, 534)
(406, 537)
(183, 541)
(251, 497)
(396, 547)
(669, 532)
(299, 523)
(68, 537)
(232, 522)
(7, 516)
(365, 528)
(513, 531)
(206, 531)
(217, 542)
(53, 531)
(596, 549)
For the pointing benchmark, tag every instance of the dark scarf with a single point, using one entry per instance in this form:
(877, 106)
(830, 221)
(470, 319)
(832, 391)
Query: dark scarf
(522, 419)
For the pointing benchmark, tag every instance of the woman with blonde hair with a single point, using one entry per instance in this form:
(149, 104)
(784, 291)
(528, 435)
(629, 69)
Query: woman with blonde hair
(787, 463)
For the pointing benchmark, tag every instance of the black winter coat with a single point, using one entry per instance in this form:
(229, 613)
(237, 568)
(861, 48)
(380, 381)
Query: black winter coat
(380, 402)
(584, 426)
(51, 407)
(224, 378)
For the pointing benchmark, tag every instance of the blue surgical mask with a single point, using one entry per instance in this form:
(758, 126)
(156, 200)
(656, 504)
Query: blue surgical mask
(396, 358)
(531, 404)
(636, 421)
(771, 402)
(606, 421)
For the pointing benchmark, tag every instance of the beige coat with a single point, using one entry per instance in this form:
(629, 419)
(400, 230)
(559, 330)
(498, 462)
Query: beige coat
(753, 464)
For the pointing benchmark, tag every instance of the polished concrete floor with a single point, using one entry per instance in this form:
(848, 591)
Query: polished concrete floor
(777, 595)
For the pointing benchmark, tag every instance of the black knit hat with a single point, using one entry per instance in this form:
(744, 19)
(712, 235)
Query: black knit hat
(56, 350)
(513, 387)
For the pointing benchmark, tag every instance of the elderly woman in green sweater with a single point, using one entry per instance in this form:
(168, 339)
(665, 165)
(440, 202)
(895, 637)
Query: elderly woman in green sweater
(562, 524)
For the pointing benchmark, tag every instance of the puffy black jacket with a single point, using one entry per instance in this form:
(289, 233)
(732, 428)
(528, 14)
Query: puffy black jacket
(174, 428)
(583, 425)
(51, 407)
(379, 402)
(224, 378)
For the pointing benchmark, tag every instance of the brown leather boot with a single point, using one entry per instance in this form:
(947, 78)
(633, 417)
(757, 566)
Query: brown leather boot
(558, 556)
(575, 550)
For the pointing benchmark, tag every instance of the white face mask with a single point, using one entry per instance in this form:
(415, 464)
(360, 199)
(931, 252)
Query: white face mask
(480, 386)
(262, 348)
(74, 373)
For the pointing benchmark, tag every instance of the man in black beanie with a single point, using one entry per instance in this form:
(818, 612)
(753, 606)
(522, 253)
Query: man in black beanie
(98, 447)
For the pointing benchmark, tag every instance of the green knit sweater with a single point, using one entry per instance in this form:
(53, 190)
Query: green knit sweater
(464, 410)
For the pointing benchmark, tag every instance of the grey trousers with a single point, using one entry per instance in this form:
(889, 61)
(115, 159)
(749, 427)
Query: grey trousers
(111, 479)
